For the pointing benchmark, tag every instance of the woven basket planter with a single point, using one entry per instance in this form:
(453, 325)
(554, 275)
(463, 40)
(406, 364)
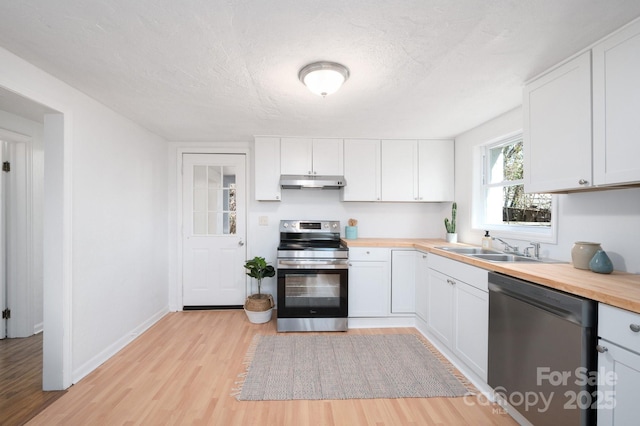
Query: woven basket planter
(259, 308)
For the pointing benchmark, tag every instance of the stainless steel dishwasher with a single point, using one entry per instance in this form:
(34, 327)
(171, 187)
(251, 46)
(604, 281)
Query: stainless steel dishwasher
(542, 351)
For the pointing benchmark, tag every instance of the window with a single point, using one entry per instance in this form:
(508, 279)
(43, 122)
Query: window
(506, 207)
(214, 200)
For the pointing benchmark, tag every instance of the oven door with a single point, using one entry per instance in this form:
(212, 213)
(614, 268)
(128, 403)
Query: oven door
(311, 291)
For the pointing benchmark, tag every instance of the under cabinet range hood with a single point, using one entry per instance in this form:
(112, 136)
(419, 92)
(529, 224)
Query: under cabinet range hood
(312, 181)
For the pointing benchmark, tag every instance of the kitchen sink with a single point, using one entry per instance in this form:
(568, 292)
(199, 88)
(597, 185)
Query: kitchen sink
(503, 257)
(495, 255)
(469, 250)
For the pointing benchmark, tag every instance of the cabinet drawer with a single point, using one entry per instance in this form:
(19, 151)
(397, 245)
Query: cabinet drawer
(472, 275)
(370, 254)
(616, 325)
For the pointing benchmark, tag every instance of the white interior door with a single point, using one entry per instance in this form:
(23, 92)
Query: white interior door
(214, 229)
(15, 276)
(3, 260)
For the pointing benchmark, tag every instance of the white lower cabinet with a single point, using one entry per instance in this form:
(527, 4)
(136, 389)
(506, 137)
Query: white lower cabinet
(369, 282)
(471, 326)
(439, 306)
(618, 366)
(458, 310)
(403, 281)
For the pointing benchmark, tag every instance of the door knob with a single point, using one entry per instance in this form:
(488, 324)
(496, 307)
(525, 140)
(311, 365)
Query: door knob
(634, 327)
(601, 349)
(240, 243)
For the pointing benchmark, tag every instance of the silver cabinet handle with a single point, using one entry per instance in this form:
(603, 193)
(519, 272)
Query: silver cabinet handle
(452, 282)
(634, 327)
(601, 349)
(583, 182)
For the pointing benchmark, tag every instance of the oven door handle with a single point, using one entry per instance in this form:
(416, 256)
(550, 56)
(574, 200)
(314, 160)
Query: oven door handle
(318, 264)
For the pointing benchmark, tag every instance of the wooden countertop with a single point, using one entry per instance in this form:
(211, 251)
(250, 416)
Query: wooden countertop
(619, 289)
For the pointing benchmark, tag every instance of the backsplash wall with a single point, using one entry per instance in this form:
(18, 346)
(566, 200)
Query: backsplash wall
(385, 220)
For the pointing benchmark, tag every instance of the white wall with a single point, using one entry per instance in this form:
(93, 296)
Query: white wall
(610, 217)
(119, 234)
(409, 220)
(381, 220)
(106, 214)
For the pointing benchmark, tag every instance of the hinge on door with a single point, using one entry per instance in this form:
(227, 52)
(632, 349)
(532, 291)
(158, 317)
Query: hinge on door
(6, 166)
(6, 314)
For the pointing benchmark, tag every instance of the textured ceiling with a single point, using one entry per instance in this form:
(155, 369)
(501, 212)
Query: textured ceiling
(227, 70)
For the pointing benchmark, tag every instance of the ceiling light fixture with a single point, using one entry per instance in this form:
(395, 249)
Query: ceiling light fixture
(323, 78)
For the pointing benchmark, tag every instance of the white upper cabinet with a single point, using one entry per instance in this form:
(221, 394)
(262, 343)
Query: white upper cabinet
(557, 128)
(328, 157)
(399, 170)
(415, 170)
(302, 156)
(362, 170)
(616, 103)
(296, 156)
(374, 169)
(599, 90)
(435, 170)
(267, 169)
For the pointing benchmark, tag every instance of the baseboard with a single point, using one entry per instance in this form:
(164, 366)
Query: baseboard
(82, 371)
(38, 328)
(471, 375)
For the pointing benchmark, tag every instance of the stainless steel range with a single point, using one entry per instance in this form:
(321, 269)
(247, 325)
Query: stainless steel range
(312, 276)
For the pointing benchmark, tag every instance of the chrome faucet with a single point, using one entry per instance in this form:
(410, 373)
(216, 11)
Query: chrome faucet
(508, 248)
(536, 250)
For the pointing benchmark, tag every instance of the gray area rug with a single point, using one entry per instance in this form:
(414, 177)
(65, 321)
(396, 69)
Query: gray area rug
(285, 367)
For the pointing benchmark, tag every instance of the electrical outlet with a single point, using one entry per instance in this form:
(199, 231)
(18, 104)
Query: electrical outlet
(263, 221)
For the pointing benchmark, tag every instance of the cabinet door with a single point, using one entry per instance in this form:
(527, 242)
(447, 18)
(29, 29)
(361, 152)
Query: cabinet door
(403, 281)
(368, 289)
(471, 327)
(557, 128)
(439, 305)
(435, 170)
(328, 157)
(296, 156)
(361, 170)
(267, 169)
(399, 170)
(422, 290)
(616, 102)
(618, 392)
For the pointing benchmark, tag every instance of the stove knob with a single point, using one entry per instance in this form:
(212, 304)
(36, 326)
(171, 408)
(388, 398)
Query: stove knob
(326, 225)
(334, 226)
(286, 225)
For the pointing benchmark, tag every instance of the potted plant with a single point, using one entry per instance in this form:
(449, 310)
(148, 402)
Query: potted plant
(259, 307)
(450, 225)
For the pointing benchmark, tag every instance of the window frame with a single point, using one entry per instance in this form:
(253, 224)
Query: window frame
(516, 232)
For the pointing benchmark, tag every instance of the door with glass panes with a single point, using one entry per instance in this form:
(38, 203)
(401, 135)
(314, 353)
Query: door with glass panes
(213, 195)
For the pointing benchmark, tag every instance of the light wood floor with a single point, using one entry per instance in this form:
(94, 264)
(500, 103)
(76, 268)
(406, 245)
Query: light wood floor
(21, 395)
(184, 369)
